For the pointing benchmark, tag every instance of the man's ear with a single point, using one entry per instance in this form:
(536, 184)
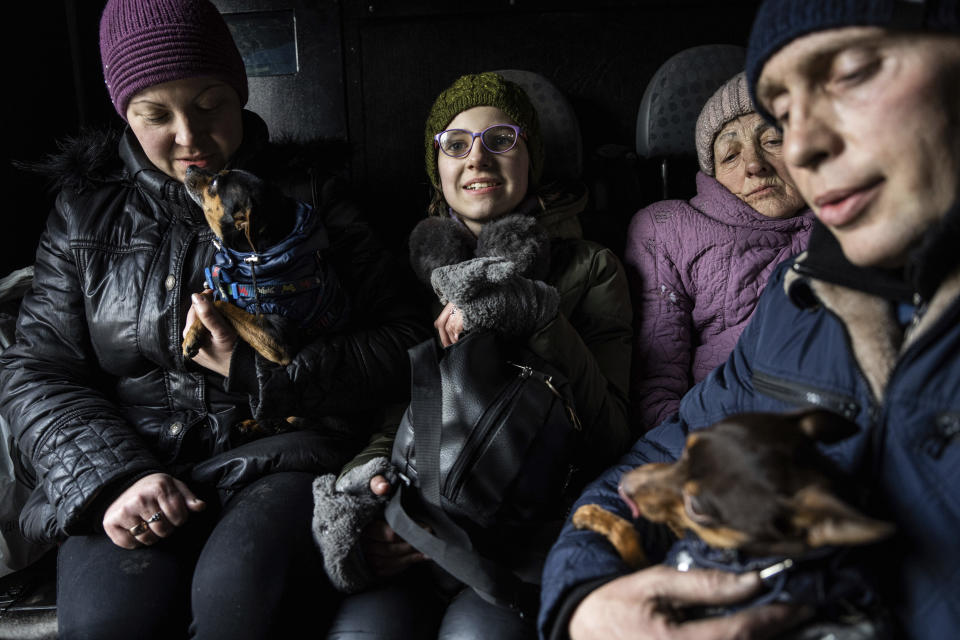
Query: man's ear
(825, 426)
(828, 521)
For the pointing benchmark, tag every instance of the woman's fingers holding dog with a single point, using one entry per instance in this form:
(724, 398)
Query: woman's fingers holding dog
(449, 324)
(692, 588)
(720, 588)
(150, 509)
(216, 351)
(648, 603)
(386, 553)
(192, 311)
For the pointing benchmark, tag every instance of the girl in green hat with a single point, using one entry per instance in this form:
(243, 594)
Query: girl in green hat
(566, 297)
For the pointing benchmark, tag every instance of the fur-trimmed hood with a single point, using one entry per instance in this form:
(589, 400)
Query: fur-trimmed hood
(88, 159)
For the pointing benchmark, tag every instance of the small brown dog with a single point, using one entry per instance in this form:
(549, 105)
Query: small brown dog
(270, 280)
(273, 284)
(235, 205)
(753, 482)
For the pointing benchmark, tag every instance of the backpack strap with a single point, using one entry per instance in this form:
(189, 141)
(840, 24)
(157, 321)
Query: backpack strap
(450, 546)
(426, 406)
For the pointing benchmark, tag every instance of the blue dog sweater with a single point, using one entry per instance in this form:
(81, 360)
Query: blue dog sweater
(290, 279)
(824, 578)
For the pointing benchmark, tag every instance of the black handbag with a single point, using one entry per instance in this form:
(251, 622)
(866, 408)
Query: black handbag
(484, 453)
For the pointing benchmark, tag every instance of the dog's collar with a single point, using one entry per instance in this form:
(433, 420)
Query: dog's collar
(229, 290)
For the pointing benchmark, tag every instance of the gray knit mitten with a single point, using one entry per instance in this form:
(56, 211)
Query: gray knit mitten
(518, 238)
(492, 295)
(341, 510)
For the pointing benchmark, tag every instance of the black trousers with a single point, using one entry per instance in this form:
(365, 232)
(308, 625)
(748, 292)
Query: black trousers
(415, 607)
(246, 569)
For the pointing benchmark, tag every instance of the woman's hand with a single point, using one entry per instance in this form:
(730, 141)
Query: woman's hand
(644, 605)
(217, 349)
(386, 553)
(152, 508)
(449, 324)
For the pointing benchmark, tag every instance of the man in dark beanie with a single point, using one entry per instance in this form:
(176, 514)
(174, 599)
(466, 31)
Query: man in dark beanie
(865, 323)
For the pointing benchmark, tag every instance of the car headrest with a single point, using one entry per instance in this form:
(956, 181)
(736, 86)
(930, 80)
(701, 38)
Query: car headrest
(676, 94)
(563, 152)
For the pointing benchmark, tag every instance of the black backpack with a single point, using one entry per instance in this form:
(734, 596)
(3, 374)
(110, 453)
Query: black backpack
(485, 454)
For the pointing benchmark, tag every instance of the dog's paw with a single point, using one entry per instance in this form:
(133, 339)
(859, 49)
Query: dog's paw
(190, 348)
(620, 532)
(193, 339)
(272, 351)
(270, 426)
(250, 427)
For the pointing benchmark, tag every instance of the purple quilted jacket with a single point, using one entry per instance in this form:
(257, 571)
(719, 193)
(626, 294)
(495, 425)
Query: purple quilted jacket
(696, 270)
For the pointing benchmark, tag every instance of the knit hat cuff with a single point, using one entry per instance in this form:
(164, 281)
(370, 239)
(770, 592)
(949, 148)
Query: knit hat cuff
(779, 22)
(484, 89)
(729, 102)
(143, 44)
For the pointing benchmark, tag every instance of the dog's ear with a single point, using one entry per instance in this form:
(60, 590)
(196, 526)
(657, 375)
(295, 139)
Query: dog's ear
(829, 521)
(825, 426)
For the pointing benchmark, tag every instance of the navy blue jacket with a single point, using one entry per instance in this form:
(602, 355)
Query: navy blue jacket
(811, 342)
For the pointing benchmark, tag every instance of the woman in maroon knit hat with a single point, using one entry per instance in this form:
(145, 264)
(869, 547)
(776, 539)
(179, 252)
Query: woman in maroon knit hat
(172, 520)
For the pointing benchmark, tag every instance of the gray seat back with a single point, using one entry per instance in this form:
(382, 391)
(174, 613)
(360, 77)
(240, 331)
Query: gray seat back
(674, 97)
(559, 126)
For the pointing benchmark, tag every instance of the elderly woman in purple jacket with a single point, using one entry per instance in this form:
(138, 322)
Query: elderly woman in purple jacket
(697, 268)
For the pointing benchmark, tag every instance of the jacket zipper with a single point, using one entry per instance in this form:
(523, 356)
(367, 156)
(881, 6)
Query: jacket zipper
(802, 394)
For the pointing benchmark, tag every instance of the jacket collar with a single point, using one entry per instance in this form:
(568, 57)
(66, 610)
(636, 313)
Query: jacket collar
(716, 202)
(928, 265)
(560, 209)
(824, 260)
(862, 297)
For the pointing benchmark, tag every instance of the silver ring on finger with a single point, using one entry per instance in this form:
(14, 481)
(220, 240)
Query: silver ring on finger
(453, 312)
(155, 517)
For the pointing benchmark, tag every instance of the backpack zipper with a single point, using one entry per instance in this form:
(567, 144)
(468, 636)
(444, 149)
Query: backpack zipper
(548, 381)
(477, 440)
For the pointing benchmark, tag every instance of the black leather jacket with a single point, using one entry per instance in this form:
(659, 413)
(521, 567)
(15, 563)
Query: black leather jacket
(95, 388)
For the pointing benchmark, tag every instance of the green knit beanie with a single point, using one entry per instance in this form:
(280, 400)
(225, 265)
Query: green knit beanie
(484, 90)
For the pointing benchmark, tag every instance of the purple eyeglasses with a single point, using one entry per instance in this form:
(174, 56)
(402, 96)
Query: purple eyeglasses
(497, 138)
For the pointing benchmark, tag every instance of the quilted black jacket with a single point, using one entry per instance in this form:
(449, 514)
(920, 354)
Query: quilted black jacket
(95, 387)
